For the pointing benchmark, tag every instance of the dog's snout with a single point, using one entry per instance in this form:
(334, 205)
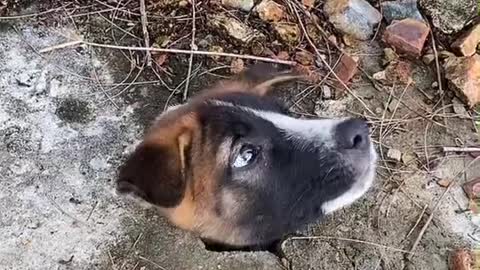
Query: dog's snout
(352, 134)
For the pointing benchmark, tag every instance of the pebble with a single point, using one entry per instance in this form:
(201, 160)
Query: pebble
(327, 92)
(245, 5)
(407, 36)
(449, 16)
(428, 59)
(217, 49)
(408, 158)
(394, 154)
(346, 68)
(237, 66)
(445, 54)
(459, 109)
(463, 76)
(308, 3)
(24, 79)
(466, 44)
(304, 57)
(389, 55)
(269, 11)
(233, 27)
(356, 18)
(399, 10)
(288, 32)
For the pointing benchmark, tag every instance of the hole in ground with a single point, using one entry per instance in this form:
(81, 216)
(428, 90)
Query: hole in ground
(274, 247)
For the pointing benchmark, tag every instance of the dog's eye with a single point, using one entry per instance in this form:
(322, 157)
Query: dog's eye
(245, 156)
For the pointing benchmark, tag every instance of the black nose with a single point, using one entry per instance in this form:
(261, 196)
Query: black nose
(352, 134)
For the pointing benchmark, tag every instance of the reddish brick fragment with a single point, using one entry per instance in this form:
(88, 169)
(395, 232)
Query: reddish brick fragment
(346, 68)
(407, 36)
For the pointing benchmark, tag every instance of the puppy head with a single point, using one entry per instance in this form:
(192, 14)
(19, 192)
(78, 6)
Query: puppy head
(233, 167)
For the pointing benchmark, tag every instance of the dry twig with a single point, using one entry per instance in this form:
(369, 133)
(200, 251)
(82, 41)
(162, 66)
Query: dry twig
(461, 149)
(193, 47)
(143, 17)
(179, 51)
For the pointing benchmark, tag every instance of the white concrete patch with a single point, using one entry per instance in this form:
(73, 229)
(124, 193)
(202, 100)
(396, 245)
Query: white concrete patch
(56, 198)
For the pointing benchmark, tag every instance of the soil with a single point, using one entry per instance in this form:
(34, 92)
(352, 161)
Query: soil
(69, 117)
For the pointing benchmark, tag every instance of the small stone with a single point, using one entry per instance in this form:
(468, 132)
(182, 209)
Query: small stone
(435, 85)
(459, 109)
(450, 16)
(237, 66)
(472, 189)
(399, 10)
(353, 17)
(466, 44)
(233, 27)
(34, 225)
(394, 154)
(407, 36)
(327, 92)
(408, 158)
(463, 76)
(346, 68)
(444, 183)
(380, 76)
(269, 11)
(399, 71)
(283, 55)
(389, 55)
(160, 59)
(445, 54)
(308, 3)
(288, 32)
(333, 39)
(303, 57)
(245, 5)
(24, 79)
(393, 105)
(216, 49)
(428, 59)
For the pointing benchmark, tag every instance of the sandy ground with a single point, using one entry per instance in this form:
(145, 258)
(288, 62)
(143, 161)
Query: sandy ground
(66, 124)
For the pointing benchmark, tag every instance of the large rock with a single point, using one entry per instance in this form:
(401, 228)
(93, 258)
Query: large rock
(407, 36)
(356, 18)
(463, 75)
(450, 16)
(466, 44)
(401, 9)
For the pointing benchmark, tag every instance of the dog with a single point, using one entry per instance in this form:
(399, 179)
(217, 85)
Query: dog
(233, 167)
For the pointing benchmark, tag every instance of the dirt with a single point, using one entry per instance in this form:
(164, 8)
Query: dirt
(69, 117)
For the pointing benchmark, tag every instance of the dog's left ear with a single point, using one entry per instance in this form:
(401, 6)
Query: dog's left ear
(156, 170)
(258, 79)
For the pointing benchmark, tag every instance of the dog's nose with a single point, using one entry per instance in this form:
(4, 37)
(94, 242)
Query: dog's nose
(352, 134)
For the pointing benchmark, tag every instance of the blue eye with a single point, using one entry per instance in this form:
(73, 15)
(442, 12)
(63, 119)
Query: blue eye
(245, 156)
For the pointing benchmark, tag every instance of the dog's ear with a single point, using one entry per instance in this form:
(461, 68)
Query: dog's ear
(258, 79)
(155, 171)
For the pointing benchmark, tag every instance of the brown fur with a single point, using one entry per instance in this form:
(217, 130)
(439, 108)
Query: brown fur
(177, 137)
